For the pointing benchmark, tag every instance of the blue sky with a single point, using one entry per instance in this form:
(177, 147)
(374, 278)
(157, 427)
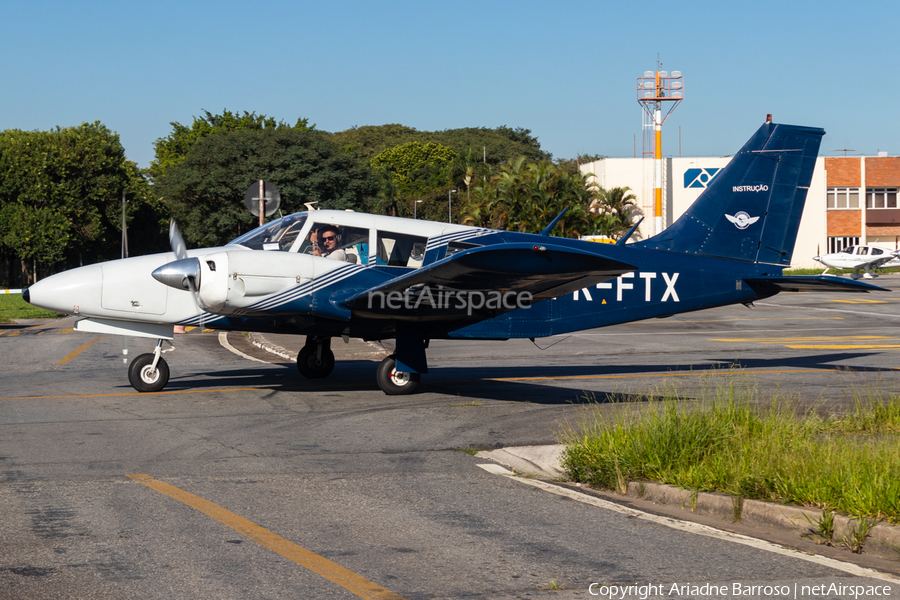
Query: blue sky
(566, 70)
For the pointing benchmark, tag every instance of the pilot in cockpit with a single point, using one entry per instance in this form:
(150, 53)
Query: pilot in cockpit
(325, 241)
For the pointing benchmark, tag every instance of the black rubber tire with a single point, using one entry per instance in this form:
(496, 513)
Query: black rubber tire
(312, 368)
(140, 377)
(393, 382)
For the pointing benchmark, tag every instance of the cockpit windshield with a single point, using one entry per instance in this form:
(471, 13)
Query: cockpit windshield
(277, 235)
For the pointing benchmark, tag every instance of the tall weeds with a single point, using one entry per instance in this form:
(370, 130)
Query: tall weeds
(731, 440)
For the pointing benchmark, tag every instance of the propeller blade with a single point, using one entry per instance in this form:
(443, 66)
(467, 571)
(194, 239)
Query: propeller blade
(176, 241)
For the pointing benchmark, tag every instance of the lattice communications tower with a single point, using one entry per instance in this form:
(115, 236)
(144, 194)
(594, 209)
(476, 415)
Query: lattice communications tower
(655, 89)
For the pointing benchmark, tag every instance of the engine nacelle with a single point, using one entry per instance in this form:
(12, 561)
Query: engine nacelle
(234, 280)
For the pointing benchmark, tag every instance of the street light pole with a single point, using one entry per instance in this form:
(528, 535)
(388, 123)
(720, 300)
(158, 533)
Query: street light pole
(450, 206)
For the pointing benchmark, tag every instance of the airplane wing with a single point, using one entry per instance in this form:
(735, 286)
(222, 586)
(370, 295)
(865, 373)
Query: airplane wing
(483, 282)
(811, 283)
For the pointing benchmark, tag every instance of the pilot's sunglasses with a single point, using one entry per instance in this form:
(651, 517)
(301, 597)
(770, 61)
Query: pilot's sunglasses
(328, 239)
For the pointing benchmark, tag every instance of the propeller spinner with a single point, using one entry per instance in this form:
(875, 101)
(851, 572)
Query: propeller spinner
(181, 274)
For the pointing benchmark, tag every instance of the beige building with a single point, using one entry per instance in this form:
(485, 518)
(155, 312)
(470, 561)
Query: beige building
(851, 200)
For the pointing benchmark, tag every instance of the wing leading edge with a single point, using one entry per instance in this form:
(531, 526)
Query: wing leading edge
(484, 282)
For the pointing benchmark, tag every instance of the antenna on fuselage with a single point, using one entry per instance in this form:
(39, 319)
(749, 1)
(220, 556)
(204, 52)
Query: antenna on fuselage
(621, 241)
(553, 223)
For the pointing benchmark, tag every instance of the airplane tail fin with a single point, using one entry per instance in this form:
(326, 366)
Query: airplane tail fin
(751, 210)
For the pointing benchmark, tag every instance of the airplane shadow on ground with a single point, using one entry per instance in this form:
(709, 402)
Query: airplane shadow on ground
(508, 383)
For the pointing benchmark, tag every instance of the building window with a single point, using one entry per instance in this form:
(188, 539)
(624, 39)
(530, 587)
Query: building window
(881, 197)
(836, 244)
(843, 198)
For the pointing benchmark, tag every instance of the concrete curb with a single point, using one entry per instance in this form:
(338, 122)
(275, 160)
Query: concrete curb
(544, 462)
(534, 461)
(260, 342)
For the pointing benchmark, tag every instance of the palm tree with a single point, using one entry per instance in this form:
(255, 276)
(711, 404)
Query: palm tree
(616, 208)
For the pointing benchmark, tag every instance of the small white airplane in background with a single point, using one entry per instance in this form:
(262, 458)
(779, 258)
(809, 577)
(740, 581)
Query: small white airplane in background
(860, 258)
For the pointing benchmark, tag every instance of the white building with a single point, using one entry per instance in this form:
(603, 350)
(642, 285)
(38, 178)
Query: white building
(834, 215)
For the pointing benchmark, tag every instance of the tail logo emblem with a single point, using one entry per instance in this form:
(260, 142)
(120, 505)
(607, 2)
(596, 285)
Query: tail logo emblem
(742, 220)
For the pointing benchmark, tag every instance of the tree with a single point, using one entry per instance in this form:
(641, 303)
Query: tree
(205, 191)
(526, 196)
(416, 168)
(489, 146)
(173, 148)
(614, 211)
(60, 194)
(573, 165)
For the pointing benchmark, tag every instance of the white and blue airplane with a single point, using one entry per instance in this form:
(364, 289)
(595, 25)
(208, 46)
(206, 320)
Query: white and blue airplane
(328, 274)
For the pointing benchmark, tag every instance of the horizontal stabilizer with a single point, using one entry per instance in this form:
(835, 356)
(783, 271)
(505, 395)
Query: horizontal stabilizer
(811, 283)
(519, 272)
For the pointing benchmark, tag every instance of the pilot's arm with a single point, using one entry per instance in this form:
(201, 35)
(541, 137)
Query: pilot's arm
(313, 238)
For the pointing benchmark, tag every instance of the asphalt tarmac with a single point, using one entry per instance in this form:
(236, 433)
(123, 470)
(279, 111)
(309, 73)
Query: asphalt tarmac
(243, 480)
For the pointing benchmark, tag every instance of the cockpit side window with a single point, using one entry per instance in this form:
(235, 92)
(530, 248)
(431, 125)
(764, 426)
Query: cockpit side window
(352, 243)
(277, 235)
(400, 249)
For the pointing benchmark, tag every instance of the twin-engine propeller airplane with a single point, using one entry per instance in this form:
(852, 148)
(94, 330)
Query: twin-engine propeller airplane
(860, 258)
(327, 274)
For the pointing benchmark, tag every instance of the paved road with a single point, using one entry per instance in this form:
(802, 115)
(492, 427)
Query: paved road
(242, 480)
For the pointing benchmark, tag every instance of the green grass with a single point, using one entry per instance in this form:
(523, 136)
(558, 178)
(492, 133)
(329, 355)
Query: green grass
(732, 440)
(13, 307)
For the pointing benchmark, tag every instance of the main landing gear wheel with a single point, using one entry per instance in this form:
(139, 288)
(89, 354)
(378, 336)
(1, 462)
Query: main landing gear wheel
(313, 366)
(393, 382)
(144, 378)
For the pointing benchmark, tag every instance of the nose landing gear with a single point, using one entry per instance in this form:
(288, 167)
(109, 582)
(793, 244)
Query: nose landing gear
(149, 372)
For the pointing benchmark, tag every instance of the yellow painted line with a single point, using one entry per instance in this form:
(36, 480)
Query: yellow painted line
(69, 330)
(654, 322)
(861, 301)
(14, 333)
(80, 349)
(843, 347)
(788, 340)
(186, 329)
(725, 370)
(320, 565)
(249, 389)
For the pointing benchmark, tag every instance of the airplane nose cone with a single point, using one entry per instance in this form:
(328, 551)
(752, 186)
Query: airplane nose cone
(67, 292)
(179, 273)
(817, 258)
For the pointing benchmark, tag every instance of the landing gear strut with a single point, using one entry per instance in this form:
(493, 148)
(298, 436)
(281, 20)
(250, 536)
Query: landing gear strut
(149, 372)
(316, 360)
(393, 382)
